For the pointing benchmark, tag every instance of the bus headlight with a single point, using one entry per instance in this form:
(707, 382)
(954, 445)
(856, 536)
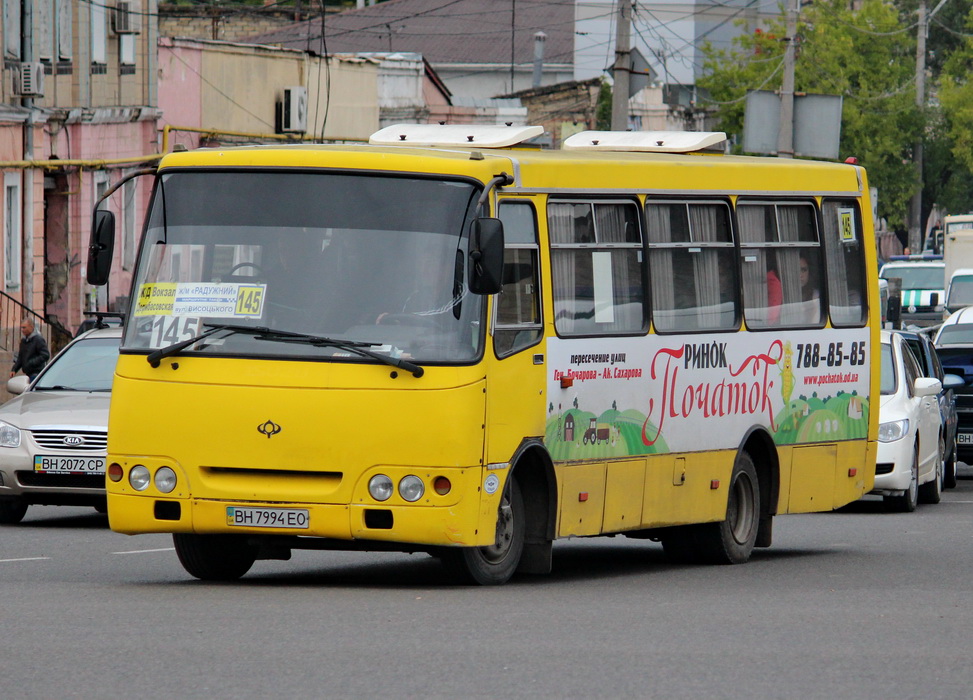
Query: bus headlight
(893, 430)
(9, 435)
(165, 480)
(380, 487)
(139, 478)
(411, 488)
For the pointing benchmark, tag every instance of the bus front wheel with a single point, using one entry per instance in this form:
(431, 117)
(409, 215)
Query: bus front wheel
(214, 557)
(494, 564)
(732, 540)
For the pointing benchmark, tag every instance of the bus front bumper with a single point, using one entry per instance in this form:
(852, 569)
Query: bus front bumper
(468, 523)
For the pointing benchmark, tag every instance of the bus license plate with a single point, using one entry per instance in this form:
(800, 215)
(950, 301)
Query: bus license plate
(267, 517)
(964, 438)
(69, 465)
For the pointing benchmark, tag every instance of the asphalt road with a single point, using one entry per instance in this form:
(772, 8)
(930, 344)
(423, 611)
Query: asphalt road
(854, 604)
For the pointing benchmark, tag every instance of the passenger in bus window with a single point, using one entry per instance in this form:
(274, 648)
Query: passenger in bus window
(775, 295)
(810, 294)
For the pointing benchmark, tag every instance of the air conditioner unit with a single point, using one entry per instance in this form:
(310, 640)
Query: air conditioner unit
(292, 111)
(29, 80)
(126, 17)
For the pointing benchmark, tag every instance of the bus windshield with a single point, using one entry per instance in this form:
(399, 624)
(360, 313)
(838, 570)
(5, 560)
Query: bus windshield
(377, 260)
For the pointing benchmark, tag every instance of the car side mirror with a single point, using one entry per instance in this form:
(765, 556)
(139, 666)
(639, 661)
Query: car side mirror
(894, 312)
(953, 381)
(101, 247)
(18, 384)
(927, 386)
(486, 256)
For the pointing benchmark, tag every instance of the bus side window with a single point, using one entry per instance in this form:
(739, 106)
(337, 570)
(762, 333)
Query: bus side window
(518, 324)
(597, 267)
(691, 265)
(782, 264)
(842, 227)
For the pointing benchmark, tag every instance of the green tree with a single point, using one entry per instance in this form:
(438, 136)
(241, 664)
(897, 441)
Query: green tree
(865, 56)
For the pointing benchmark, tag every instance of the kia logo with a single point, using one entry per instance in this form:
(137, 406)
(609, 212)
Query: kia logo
(73, 440)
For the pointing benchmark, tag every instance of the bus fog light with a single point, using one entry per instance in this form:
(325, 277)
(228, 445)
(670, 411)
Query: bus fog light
(115, 471)
(139, 478)
(165, 480)
(380, 487)
(441, 485)
(411, 488)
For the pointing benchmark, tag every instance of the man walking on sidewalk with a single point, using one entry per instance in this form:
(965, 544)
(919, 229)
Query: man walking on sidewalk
(33, 354)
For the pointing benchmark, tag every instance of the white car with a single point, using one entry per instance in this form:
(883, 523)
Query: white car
(53, 437)
(923, 290)
(911, 448)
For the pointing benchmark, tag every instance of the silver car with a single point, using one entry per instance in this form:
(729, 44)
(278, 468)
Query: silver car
(53, 436)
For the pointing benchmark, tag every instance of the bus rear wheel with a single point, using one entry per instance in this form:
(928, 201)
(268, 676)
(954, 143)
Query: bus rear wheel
(731, 541)
(494, 564)
(214, 557)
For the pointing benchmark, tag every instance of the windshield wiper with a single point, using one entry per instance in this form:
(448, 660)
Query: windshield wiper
(55, 387)
(354, 346)
(155, 357)
(262, 332)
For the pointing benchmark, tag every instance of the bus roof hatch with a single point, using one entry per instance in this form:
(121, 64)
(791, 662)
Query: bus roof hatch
(648, 141)
(449, 135)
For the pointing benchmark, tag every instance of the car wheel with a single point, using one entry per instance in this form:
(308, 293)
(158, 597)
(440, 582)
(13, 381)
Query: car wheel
(932, 491)
(12, 511)
(906, 503)
(949, 472)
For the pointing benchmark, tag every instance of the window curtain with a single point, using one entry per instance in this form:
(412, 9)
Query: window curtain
(706, 273)
(751, 220)
(661, 264)
(560, 225)
(789, 264)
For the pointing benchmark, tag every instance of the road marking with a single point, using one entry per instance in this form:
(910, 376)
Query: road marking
(6, 561)
(147, 551)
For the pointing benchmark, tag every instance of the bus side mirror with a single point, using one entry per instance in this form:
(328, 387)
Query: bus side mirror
(486, 256)
(101, 247)
(894, 313)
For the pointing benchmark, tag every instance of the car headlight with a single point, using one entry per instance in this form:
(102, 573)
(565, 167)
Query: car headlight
(893, 430)
(9, 435)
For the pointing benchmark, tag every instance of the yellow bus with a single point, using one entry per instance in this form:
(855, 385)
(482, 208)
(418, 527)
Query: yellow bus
(449, 341)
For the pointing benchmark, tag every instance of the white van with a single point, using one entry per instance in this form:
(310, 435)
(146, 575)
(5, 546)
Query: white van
(959, 291)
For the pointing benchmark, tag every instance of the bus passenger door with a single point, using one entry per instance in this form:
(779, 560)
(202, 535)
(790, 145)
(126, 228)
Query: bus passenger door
(515, 381)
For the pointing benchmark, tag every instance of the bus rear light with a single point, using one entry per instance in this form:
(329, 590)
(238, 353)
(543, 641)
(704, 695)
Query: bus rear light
(441, 485)
(115, 471)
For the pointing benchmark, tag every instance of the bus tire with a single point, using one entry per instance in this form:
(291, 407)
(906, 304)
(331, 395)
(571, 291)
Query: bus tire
(12, 511)
(214, 557)
(494, 564)
(731, 540)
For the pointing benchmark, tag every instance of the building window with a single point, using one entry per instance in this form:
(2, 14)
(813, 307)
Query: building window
(12, 259)
(99, 33)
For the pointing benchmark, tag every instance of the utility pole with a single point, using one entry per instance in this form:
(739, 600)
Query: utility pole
(785, 132)
(27, 213)
(623, 66)
(915, 207)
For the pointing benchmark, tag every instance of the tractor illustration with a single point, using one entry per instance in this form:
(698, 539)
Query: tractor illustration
(596, 432)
